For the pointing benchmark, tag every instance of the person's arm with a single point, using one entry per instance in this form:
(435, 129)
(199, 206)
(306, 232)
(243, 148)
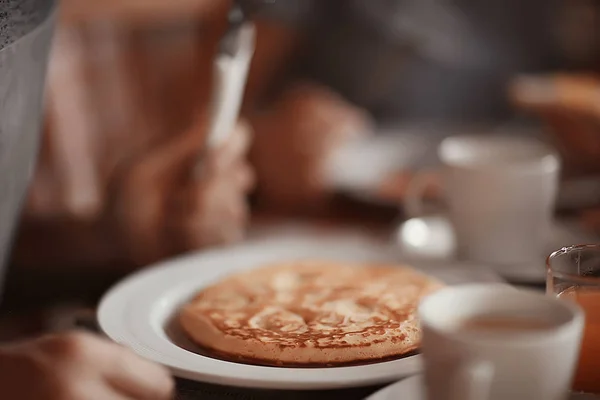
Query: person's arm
(294, 141)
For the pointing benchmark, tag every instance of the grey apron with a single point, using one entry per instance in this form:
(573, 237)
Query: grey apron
(25, 36)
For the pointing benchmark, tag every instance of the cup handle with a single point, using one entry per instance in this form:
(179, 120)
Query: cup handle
(473, 381)
(415, 192)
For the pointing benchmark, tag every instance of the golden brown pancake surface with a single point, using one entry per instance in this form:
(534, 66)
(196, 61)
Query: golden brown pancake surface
(311, 312)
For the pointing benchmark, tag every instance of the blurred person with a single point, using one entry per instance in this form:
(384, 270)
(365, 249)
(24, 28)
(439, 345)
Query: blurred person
(125, 128)
(129, 177)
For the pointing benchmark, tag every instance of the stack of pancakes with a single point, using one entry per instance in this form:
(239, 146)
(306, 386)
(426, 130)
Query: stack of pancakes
(310, 313)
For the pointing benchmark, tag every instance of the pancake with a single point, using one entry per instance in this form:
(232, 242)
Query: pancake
(310, 313)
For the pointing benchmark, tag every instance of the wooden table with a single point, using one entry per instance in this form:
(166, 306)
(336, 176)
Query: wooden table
(39, 300)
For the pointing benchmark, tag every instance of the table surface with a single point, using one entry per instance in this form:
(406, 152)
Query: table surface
(64, 314)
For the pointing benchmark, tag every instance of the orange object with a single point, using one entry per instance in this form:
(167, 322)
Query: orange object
(587, 378)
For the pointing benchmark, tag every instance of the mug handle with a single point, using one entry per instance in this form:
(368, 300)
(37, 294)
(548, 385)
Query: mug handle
(415, 192)
(473, 381)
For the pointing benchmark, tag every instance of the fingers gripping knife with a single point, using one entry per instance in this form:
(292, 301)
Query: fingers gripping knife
(230, 74)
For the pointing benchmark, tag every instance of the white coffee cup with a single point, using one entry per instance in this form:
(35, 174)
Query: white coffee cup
(520, 365)
(501, 193)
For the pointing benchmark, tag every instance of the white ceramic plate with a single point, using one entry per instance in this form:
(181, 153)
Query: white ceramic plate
(138, 312)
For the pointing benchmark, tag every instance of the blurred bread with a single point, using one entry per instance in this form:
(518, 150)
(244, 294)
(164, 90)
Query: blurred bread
(569, 105)
(576, 93)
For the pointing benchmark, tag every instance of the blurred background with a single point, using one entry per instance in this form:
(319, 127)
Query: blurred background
(344, 101)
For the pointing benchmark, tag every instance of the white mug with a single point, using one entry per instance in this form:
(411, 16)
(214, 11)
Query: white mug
(525, 365)
(501, 193)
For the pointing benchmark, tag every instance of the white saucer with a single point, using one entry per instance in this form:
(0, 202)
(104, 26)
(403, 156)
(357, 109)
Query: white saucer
(408, 389)
(413, 389)
(138, 312)
(432, 237)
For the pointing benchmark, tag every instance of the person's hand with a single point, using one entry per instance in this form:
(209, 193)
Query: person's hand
(211, 208)
(165, 206)
(294, 141)
(77, 366)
